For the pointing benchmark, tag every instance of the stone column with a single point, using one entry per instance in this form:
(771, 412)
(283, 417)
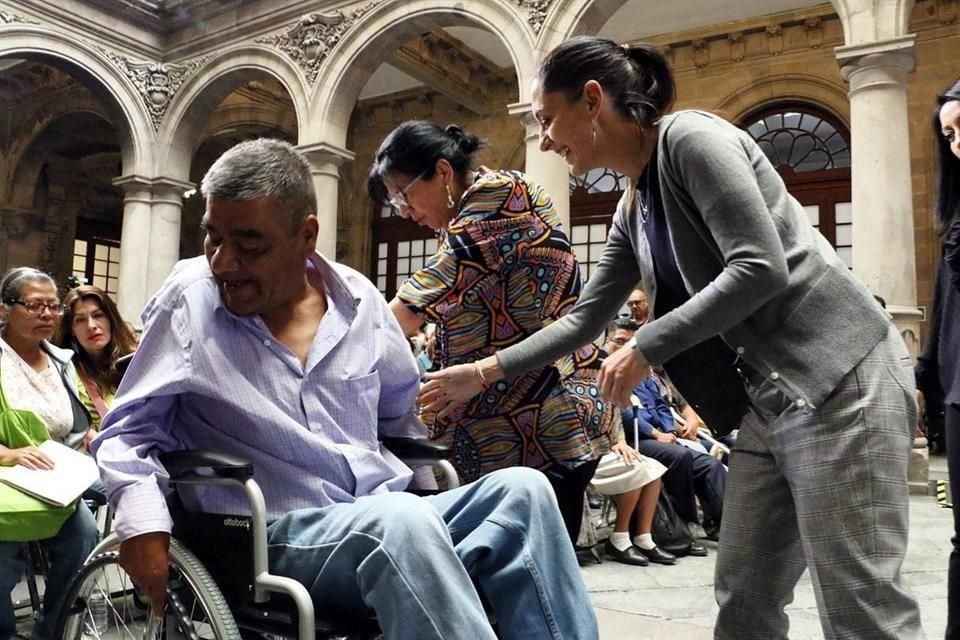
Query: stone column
(883, 245)
(884, 253)
(326, 160)
(549, 169)
(164, 230)
(134, 245)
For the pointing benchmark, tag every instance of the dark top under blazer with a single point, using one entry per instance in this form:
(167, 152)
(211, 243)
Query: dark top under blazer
(759, 275)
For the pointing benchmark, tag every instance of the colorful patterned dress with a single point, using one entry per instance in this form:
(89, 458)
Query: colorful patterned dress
(504, 270)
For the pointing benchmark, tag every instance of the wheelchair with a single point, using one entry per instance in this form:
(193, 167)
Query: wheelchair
(214, 592)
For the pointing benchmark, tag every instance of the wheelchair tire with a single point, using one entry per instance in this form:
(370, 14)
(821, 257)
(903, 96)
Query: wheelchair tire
(102, 594)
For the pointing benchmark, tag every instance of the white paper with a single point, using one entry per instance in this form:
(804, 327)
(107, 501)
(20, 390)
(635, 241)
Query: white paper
(73, 472)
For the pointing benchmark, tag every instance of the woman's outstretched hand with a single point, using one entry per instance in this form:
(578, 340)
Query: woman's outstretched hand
(620, 374)
(452, 387)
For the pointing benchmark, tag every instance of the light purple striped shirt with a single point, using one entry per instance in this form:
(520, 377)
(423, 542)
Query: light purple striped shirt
(205, 378)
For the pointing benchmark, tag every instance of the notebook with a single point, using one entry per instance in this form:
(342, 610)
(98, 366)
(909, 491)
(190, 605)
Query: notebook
(73, 472)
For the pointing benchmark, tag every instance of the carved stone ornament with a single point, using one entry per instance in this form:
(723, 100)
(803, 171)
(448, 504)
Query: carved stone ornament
(947, 11)
(18, 224)
(737, 46)
(814, 28)
(157, 82)
(9, 18)
(701, 53)
(536, 12)
(310, 39)
(775, 39)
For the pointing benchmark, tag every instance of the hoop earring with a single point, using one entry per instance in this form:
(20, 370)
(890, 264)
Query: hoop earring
(450, 202)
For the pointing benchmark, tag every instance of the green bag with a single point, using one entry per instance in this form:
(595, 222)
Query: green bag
(23, 517)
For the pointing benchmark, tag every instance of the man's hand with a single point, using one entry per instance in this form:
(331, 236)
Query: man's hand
(145, 559)
(29, 457)
(688, 430)
(88, 438)
(620, 374)
(668, 438)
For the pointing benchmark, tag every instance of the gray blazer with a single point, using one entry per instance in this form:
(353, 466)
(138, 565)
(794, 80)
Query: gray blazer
(758, 274)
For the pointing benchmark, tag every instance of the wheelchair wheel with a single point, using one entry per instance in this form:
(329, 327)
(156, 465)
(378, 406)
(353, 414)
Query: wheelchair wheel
(103, 603)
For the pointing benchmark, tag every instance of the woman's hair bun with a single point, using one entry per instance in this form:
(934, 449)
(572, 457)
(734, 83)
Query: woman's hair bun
(467, 142)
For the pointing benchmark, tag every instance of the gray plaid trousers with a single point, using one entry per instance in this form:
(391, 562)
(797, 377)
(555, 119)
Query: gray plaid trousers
(823, 488)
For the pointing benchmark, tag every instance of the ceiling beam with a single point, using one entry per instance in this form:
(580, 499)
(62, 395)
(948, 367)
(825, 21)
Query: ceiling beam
(451, 68)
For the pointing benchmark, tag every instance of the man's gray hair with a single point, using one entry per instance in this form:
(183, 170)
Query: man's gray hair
(13, 280)
(264, 168)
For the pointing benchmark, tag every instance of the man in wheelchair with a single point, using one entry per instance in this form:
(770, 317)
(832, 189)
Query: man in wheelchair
(266, 350)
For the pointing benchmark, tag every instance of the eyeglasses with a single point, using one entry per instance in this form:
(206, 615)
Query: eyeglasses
(36, 307)
(399, 199)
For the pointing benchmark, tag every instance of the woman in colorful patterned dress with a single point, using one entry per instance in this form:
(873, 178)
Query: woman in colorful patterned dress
(504, 270)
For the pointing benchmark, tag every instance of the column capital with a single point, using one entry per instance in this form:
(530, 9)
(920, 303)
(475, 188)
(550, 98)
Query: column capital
(320, 153)
(523, 111)
(896, 55)
(152, 189)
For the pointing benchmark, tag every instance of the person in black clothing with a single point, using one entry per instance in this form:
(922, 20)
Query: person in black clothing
(938, 367)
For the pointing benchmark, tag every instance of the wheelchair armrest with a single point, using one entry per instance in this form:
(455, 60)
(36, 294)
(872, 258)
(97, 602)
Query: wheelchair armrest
(416, 448)
(122, 363)
(192, 465)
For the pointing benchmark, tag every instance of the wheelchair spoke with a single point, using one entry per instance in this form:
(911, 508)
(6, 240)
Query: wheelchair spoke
(104, 604)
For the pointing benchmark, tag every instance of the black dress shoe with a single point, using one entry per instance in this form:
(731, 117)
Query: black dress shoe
(712, 530)
(697, 549)
(659, 556)
(587, 556)
(630, 555)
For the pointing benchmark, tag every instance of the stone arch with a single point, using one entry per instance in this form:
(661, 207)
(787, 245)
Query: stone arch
(384, 29)
(253, 115)
(92, 68)
(191, 109)
(784, 88)
(32, 157)
(569, 18)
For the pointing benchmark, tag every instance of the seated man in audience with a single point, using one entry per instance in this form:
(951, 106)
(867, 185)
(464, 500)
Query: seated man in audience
(690, 473)
(638, 306)
(266, 350)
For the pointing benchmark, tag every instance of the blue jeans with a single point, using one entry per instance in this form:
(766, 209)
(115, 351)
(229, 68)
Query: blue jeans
(415, 561)
(66, 552)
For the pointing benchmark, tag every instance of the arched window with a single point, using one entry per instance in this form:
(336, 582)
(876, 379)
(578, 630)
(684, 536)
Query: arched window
(801, 141)
(810, 148)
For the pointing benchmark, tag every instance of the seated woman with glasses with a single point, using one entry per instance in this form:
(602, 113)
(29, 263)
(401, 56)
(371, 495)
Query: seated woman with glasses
(504, 270)
(93, 329)
(39, 377)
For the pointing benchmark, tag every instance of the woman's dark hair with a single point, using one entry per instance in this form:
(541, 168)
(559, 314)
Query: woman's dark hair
(413, 149)
(636, 77)
(948, 188)
(103, 369)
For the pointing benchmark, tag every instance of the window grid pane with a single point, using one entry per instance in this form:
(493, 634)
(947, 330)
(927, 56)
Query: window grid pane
(802, 141)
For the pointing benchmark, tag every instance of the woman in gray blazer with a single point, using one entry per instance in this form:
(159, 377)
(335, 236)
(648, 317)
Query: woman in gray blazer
(746, 297)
